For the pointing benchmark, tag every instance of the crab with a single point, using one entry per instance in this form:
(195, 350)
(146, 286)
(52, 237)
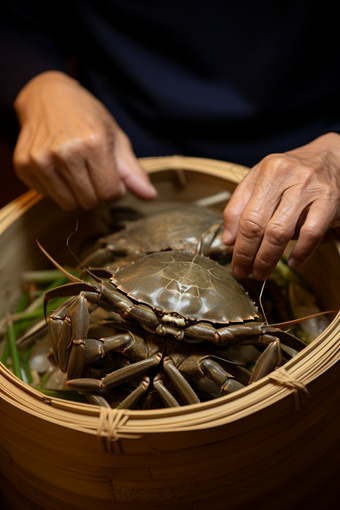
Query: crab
(139, 352)
(178, 229)
(180, 296)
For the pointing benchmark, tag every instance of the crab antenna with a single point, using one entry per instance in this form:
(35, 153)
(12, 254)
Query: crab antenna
(75, 256)
(70, 276)
(261, 304)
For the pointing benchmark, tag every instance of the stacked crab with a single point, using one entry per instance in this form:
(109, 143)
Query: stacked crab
(172, 310)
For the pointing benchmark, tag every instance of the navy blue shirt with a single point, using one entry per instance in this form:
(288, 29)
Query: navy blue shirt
(231, 81)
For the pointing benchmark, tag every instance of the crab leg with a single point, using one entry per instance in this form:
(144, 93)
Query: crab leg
(270, 359)
(55, 325)
(97, 400)
(118, 377)
(245, 334)
(131, 400)
(130, 372)
(166, 396)
(225, 381)
(79, 321)
(180, 383)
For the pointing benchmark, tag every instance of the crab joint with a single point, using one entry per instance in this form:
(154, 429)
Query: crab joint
(223, 379)
(180, 383)
(130, 372)
(168, 329)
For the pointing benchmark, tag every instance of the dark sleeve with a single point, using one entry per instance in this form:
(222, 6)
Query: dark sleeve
(30, 45)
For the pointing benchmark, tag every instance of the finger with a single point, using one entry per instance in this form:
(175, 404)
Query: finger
(37, 168)
(278, 232)
(318, 221)
(35, 184)
(24, 172)
(74, 171)
(57, 187)
(233, 211)
(252, 225)
(101, 165)
(88, 166)
(130, 171)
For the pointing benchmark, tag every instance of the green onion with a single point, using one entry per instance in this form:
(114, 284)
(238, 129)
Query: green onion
(13, 347)
(5, 353)
(26, 365)
(66, 395)
(43, 276)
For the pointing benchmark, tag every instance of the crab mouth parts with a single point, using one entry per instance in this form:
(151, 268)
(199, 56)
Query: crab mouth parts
(175, 319)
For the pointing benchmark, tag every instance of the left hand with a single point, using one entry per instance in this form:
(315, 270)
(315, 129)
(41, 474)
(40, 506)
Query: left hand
(291, 195)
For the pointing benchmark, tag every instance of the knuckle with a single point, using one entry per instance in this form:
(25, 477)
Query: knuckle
(265, 263)
(250, 227)
(332, 194)
(312, 232)
(229, 214)
(40, 158)
(276, 161)
(277, 234)
(95, 141)
(243, 258)
(21, 161)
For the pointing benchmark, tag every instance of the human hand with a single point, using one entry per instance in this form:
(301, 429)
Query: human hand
(70, 148)
(294, 195)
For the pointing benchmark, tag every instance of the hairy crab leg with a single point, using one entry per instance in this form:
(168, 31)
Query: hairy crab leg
(131, 400)
(166, 396)
(270, 359)
(97, 400)
(225, 381)
(245, 334)
(118, 377)
(180, 383)
(130, 372)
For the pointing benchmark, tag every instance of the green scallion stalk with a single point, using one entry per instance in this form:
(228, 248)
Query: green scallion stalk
(14, 353)
(26, 365)
(65, 395)
(44, 276)
(5, 353)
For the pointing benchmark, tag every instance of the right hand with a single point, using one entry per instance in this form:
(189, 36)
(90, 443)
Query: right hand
(70, 148)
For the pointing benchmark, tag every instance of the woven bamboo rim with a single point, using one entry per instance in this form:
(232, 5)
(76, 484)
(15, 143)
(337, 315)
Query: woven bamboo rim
(289, 383)
(262, 447)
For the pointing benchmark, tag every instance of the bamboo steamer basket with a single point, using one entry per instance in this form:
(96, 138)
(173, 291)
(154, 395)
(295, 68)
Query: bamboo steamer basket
(271, 445)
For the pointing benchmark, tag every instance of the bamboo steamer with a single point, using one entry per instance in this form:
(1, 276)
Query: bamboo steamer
(269, 446)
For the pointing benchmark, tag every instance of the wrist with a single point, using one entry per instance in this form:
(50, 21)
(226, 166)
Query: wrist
(328, 146)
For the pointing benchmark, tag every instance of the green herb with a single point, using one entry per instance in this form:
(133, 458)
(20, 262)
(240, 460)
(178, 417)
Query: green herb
(14, 353)
(66, 395)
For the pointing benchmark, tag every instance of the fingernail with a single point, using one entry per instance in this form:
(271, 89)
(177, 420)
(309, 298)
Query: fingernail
(226, 236)
(146, 187)
(292, 262)
(141, 186)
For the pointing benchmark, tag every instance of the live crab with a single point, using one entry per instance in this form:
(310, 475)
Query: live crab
(180, 296)
(176, 229)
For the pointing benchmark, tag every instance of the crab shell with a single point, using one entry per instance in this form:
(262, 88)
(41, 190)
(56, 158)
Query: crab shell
(178, 229)
(185, 288)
